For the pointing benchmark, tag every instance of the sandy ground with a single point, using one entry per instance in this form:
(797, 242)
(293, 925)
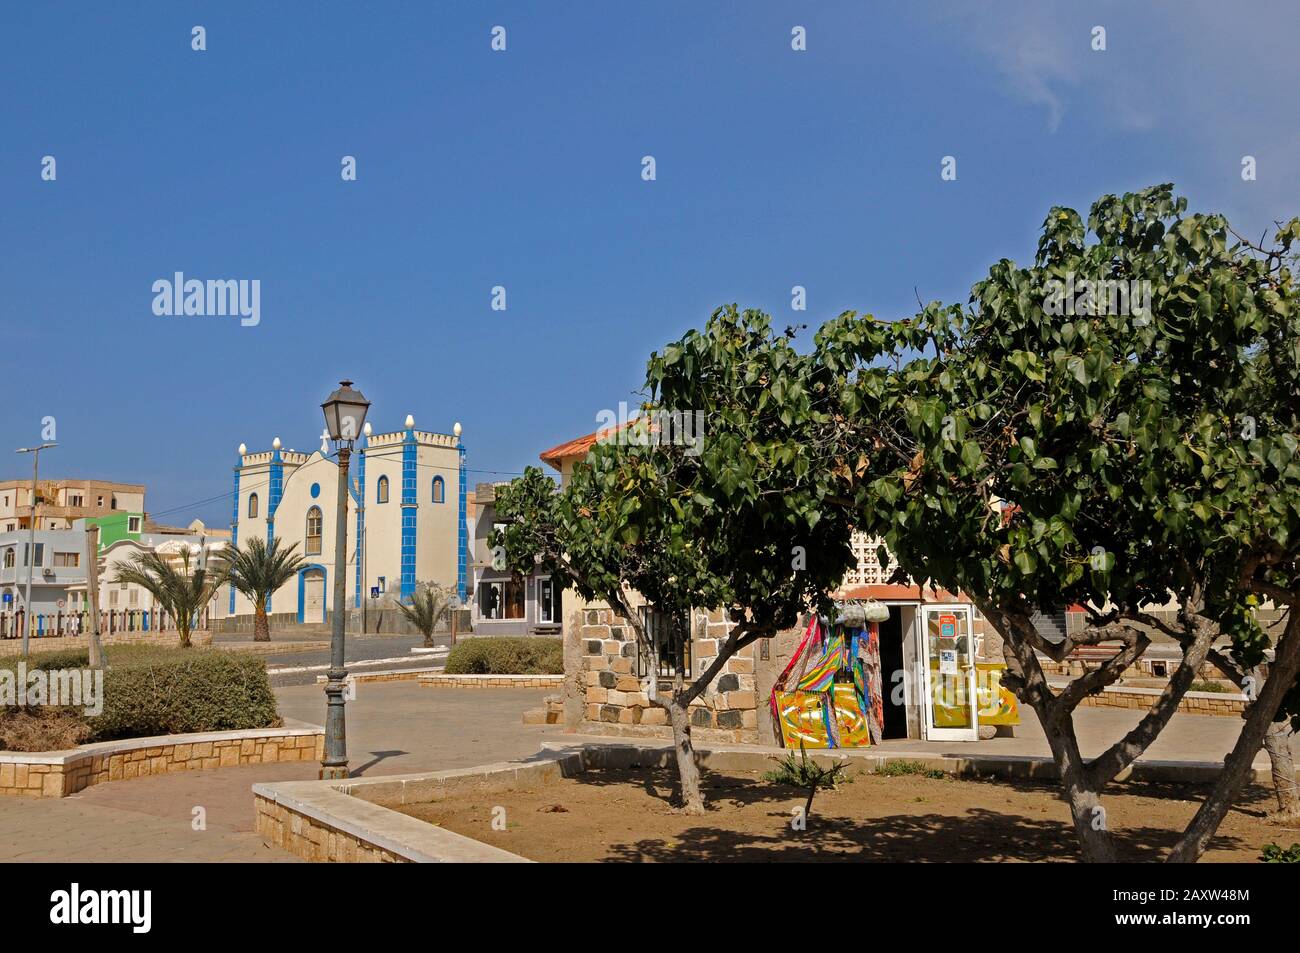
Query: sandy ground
(626, 816)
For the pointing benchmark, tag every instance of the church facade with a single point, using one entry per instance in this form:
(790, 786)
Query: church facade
(406, 518)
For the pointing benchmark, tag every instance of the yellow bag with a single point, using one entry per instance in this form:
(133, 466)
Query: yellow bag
(854, 730)
(802, 718)
(997, 705)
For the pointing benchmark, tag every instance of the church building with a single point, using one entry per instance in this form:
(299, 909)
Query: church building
(406, 517)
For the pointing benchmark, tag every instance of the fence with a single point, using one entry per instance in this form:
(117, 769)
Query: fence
(55, 624)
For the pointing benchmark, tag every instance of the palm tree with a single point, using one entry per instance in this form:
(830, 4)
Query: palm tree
(257, 571)
(430, 604)
(182, 593)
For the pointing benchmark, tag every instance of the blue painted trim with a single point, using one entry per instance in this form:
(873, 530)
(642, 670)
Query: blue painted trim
(275, 492)
(359, 497)
(234, 528)
(409, 511)
(462, 528)
(302, 587)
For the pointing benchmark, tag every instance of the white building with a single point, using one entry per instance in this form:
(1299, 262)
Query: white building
(406, 517)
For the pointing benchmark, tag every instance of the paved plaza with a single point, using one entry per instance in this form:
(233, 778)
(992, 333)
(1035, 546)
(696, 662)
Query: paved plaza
(399, 728)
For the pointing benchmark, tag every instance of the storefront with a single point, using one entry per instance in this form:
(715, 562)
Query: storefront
(917, 669)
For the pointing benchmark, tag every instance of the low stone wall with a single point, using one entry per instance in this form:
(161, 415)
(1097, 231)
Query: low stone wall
(443, 680)
(1193, 703)
(387, 675)
(349, 820)
(60, 773)
(62, 642)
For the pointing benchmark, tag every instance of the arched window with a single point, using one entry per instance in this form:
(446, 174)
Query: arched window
(9, 558)
(439, 490)
(252, 506)
(381, 494)
(313, 532)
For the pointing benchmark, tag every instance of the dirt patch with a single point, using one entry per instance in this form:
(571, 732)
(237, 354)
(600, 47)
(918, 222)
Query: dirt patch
(627, 816)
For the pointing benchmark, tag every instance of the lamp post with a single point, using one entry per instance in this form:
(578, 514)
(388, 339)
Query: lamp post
(345, 415)
(31, 537)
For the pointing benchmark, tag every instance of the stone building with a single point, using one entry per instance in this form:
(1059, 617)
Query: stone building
(605, 678)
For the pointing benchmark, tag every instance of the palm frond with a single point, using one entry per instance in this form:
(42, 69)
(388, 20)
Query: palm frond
(258, 569)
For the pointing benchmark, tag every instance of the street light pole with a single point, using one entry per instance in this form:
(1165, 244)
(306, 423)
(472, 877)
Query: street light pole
(31, 537)
(345, 412)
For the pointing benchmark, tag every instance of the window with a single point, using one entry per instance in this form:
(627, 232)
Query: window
(381, 492)
(9, 558)
(40, 555)
(252, 506)
(112, 597)
(76, 500)
(383, 584)
(133, 597)
(671, 637)
(67, 560)
(439, 490)
(313, 531)
(503, 599)
(133, 524)
(548, 601)
(99, 501)
(113, 505)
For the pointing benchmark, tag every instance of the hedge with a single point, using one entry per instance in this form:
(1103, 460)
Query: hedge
(149, 690)
(506, 655)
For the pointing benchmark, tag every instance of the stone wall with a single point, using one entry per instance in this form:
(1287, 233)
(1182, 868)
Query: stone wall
(442, 680)
(1193, 703)
(615, 701)
(60, 773)
(315, 840)
(61, 643)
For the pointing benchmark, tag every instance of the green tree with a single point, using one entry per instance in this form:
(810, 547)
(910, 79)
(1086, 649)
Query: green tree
(258, 570)
(712, 501)
(1052, 444)
(430, 604)
(182, 593)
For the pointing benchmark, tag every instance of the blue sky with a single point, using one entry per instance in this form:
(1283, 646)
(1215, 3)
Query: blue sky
(523, 169)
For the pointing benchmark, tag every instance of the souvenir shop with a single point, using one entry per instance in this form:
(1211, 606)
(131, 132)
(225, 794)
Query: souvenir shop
(878, 671)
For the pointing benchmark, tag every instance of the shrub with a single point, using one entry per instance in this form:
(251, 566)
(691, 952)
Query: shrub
(148, 690)
(1277, 854)
(185, 691)
(1203, 685)
(806, 774)
(505, 655)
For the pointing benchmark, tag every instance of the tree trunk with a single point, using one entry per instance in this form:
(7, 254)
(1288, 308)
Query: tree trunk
(1086, 812)
(428, 639)
(261, 624)
(183, 633)
(1240, 760)
(688, 772)
(1278, 745)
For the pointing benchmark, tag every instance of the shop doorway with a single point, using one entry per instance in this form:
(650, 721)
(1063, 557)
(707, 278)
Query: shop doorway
(892, 631)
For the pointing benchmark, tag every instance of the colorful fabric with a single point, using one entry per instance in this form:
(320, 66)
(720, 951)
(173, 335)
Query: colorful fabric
(997, 704)
(867, 675)
(821, 676)
(854, 730)
(804, 720)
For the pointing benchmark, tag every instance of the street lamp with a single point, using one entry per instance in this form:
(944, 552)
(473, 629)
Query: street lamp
(31, 536)
(345, 415)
